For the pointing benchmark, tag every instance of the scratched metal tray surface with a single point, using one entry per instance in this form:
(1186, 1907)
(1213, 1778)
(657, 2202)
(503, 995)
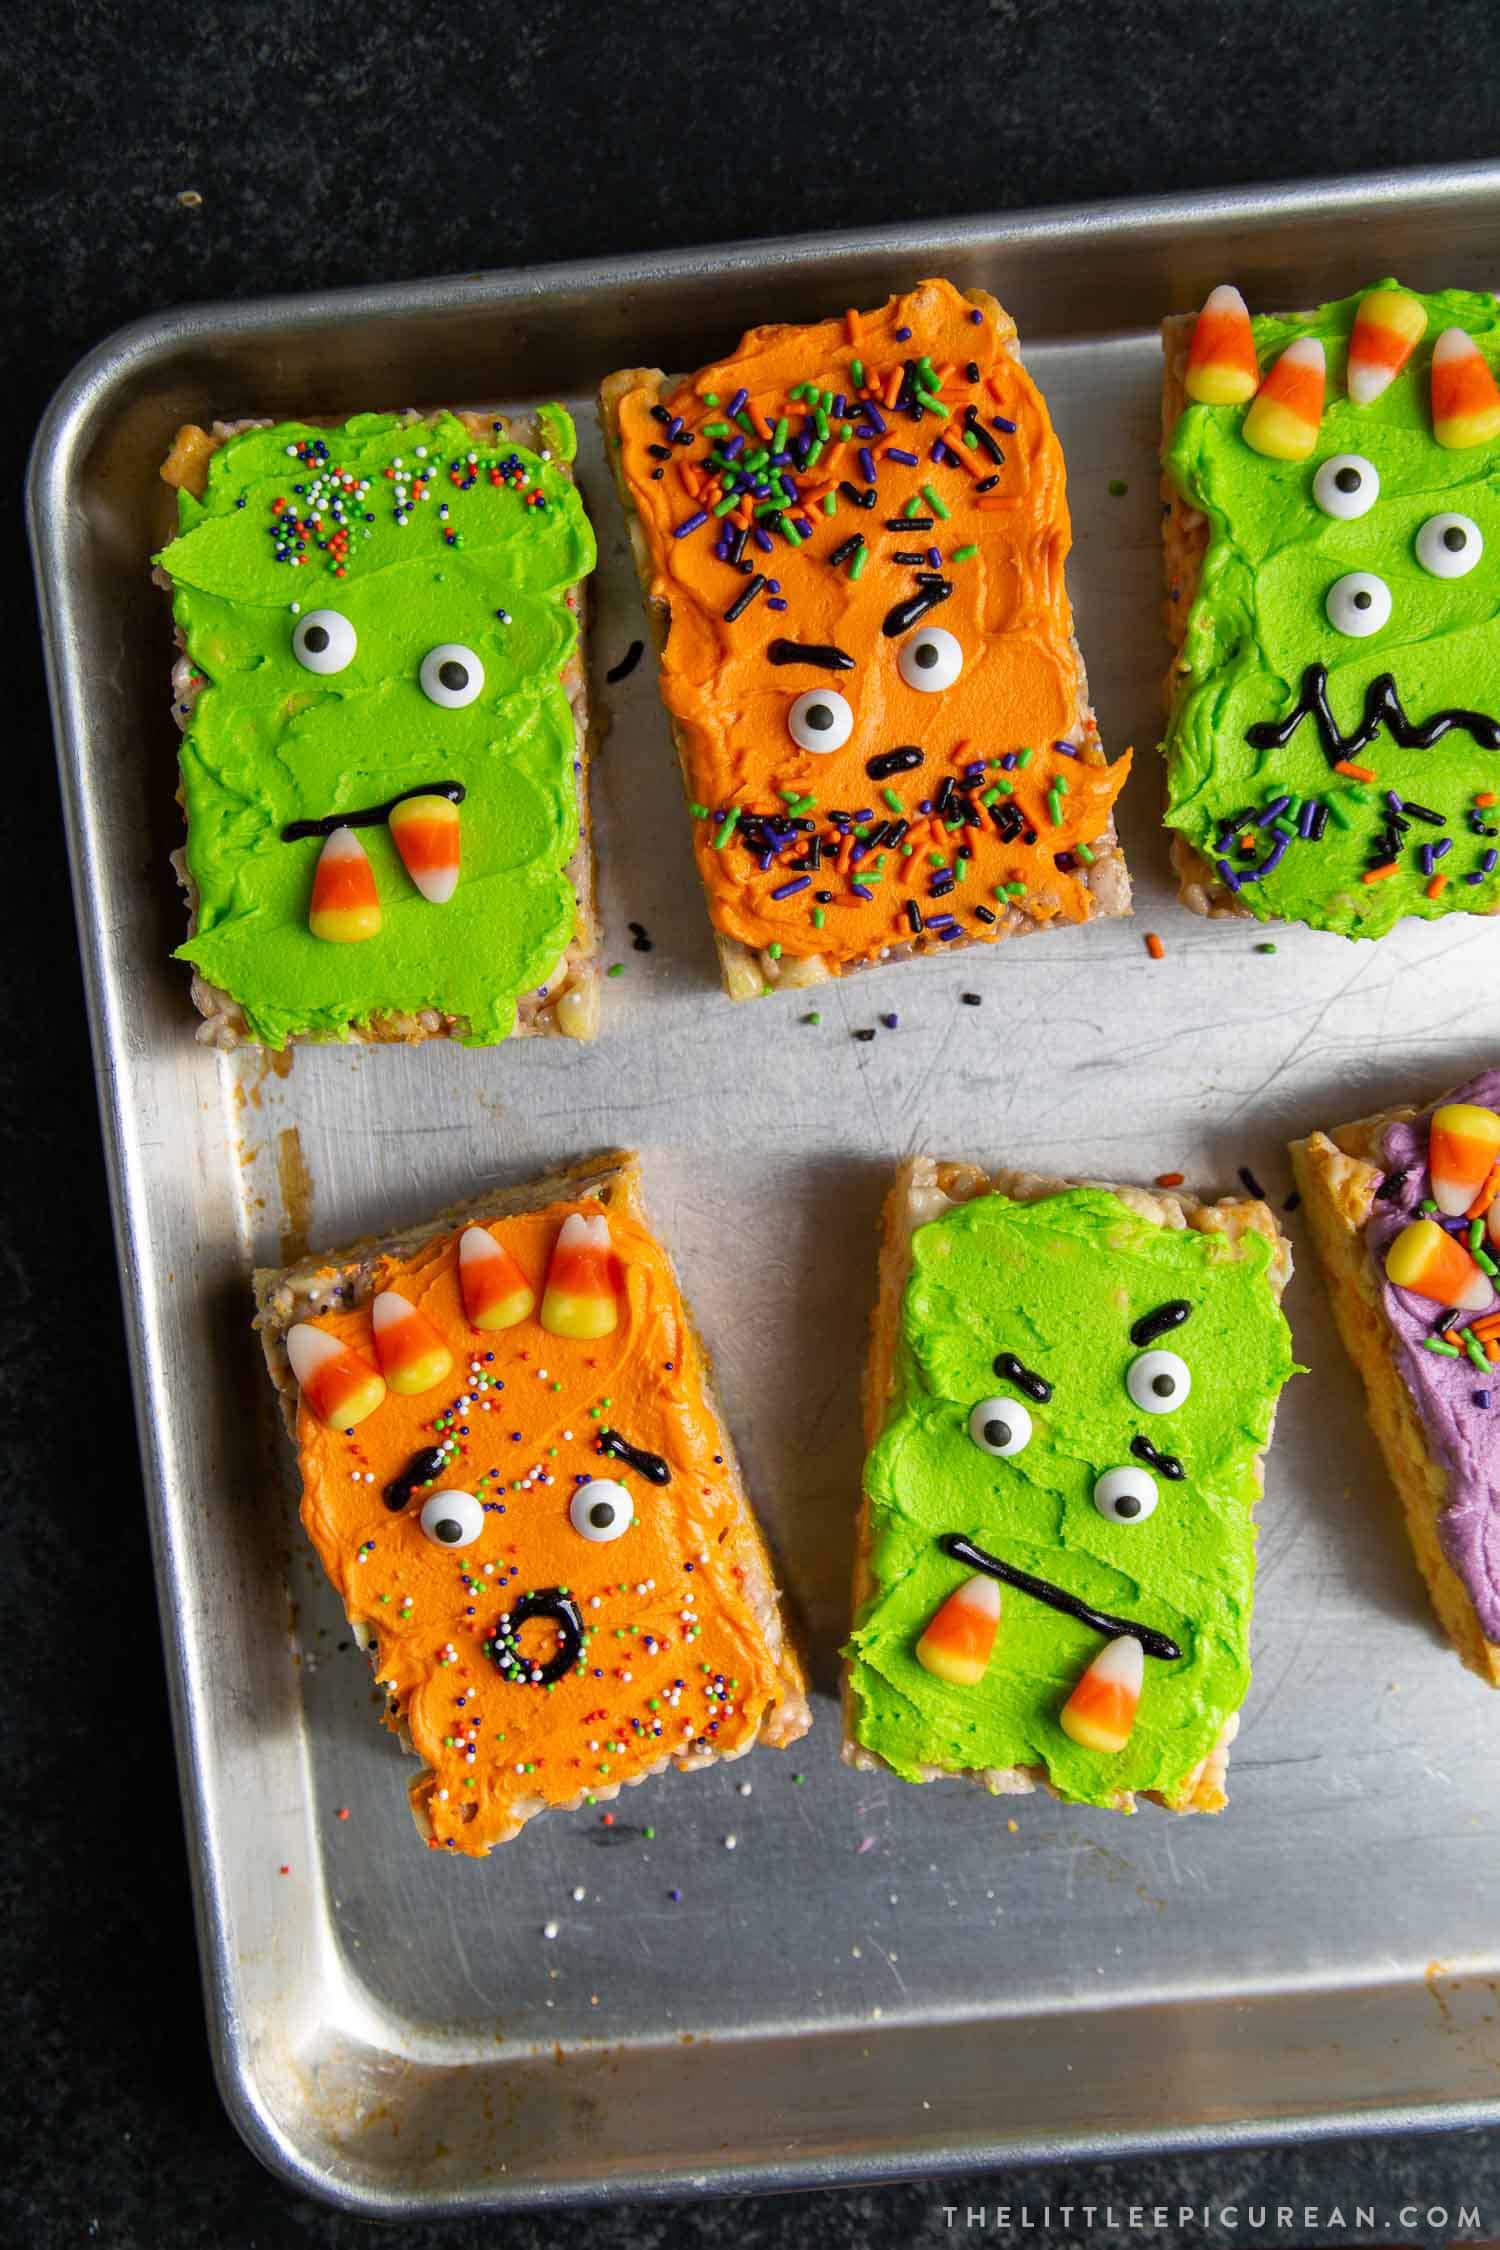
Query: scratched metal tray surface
(778, 1972)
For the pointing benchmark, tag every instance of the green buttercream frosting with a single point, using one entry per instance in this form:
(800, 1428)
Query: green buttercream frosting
(1059, 1284)
(271, 742)
(1259, 620)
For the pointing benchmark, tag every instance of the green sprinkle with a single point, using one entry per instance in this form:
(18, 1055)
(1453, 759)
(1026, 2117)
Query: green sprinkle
(615, 969)
(746, 424)
(933, 405)
(1427, 1206)
(936, 859)
(1476, 1234)
(814, 450)
(1054, 806)
(790, 533)
(830, 503)
(1486, 1263)
(1285, 827)
(857, 561)
(727, 827)
(818, 919)
(814, 1017)
(936, 503)
(964, 554)
(648, 1833)
(1476, 1351)
(1024, 758)
(718, 429)
(1015, 890)
(774, 950)
(710, 398)
(1118, 488)
(856, 372)
(820, 424)
(891, 799)
(1081, 851)
(913, 507)
(990, 797)
(730, 500)
(1267, 947)
(971, 440)
(699, 812)
(1336, 812)
(779, 435)
(960, 869)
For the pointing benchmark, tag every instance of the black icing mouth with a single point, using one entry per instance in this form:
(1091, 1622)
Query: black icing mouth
(1042, 1589)
(1383, 708)
(371, 816)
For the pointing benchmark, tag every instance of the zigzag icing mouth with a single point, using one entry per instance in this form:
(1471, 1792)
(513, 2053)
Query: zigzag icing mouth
(1383, 708)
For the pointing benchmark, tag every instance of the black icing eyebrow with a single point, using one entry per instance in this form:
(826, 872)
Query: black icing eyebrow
(650, 1465)
(1168, 1463)
(823, 654)
(910, 612)
(1013, 1370)
(1160, 1322)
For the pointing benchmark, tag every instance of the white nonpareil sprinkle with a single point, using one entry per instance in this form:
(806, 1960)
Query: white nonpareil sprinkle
(730, 1842)
(579, 1894)
(549, 1929)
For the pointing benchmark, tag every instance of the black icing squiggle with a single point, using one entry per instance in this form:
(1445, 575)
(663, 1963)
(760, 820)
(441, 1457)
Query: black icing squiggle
(650, 1465)
(964, 1550)
(1382, 709)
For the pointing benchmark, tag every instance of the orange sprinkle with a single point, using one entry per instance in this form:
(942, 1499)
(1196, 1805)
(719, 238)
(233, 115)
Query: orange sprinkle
(893, 385)
(1485, 798)
(974, 461)
(1488, 1327)
(1437, 886)
(851, 325)
(1355, 773)
(689, 478)
(1379, 874)
(1486, 1195)
(761, 425)
(1492, 1350)
(1154, 945)
(1170, 1179)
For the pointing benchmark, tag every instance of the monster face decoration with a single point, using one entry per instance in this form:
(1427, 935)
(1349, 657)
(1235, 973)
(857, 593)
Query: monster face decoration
(1061, 1555)
(1334, 744)
(859, 530)
(380, 768)
(518, 1483)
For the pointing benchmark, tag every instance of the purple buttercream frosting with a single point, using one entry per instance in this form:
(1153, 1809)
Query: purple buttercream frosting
(1464, 1436)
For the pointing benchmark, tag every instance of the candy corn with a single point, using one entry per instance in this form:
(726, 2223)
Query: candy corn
(1283, 417)
(1387, 328)
(424, 831)
(961, 1633)
(579, 1298)
(345, 905)
(1100, 1712)
(412, 1355)
(1465, 402)
(1222, 369)
(1433, 1264)
(1462, 1145)
(338, 1384)
(495, 1292)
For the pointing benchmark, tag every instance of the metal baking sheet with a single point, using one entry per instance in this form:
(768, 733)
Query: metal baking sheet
(875, 1980)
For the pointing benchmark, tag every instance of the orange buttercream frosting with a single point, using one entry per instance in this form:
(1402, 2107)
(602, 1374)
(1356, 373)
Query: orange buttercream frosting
(674, 1661)
(1011, 781)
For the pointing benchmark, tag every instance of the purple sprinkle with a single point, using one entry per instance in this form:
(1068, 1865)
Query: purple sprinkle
(789, 890)
(691, 524)
(1306, 817)
(899, 453)
(903, 335)
(762, 538)
(732, 448)
(1438, 850)
(1275, 855)
(674, 425)
(976, 316)
(946, 937)
(934, 556)
(890, 1021)
(1001, 424)
(1394, 801)
(975, 771)
(1273, 811)
(1425, 858)
(1008, 760)
(1480, 1398)
(837, 408)
(775, 602)
(737, 402)
(1065, 749)
(675, 1896)
(805, 527)
(860, 890)
(1476, 877)
(857, 853)
(867, 464)
(1227, 876)
(938, 452)
(1489, 862)
(874, 417)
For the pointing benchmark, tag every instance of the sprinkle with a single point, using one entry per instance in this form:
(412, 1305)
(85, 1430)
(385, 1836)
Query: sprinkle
(1266, 946)
(1354, 772)
(789, 890)
(690, 523)
(1118, 488)
(1379, 874)
(936, 503)
(1154, 945)
(1170, 1179)
(1251, 1184)
(627, 663)
(727, 827)
(972, 999)
(1437, 1344)
(964, 554)
(907, 460)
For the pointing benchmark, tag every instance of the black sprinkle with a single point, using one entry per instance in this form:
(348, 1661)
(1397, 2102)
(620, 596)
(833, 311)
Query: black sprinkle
(627, 663)
(983, 914)
(866, 1036)
(1293, 1200)
(1389, 1190)
(1251, 1184)
(909, 523)
(971, 999)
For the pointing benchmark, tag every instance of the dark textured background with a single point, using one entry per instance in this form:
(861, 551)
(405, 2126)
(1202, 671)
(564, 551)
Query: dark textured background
(337, 144)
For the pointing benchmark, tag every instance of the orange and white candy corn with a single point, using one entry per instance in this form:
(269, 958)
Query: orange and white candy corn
(1431, 1263)
(412, 1355)
(1222, 369)
(1283, 417)
(1465, 401)
(1100, 1712)
(495, 1292)
(1388, 327)
(424, 831)
(1463, 1143)
(345, 903)
(337, 1383)
(579, 1299)
(960, 1634)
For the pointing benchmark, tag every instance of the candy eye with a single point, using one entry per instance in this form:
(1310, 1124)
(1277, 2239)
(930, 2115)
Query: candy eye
(931, 660)
(1347, 485)
(1449, 546)
(820, 720)
(601, 1510)
(1358, 604)
(324, 641)
(1125, 1495)
(451, 1519)
(451, 675)
(1001, 1426)
(1158, 1382)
